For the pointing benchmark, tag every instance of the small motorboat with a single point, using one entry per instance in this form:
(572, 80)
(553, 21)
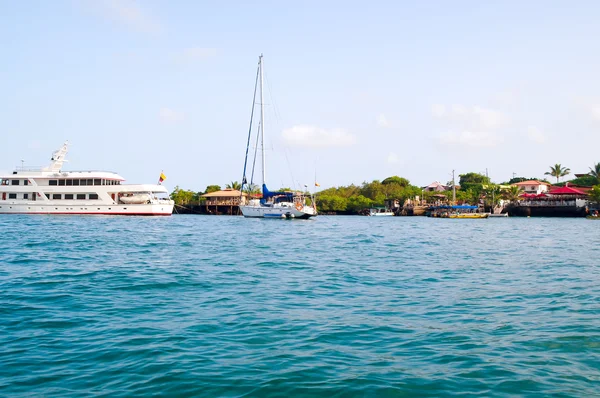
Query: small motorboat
(135, 199)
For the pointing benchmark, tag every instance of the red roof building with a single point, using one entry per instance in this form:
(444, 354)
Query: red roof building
(567, 191)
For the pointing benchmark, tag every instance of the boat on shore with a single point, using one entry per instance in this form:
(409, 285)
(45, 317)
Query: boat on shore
(52, 190)
(457, 211)
(380, 212)
(283, 204)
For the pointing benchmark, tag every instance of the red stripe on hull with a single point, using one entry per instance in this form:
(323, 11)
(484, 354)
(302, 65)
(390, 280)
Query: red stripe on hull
(90, 214)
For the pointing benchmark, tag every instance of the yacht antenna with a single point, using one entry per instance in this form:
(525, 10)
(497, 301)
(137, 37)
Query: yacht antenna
(58, 158)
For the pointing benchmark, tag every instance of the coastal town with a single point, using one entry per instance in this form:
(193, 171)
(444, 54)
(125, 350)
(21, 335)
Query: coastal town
(555, 195)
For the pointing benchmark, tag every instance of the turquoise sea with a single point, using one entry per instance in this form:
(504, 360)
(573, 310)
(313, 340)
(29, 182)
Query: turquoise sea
(335, 306)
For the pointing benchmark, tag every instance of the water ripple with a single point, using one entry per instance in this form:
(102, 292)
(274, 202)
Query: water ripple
(337, 306)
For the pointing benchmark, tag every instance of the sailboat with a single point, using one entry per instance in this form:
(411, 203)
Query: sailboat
(286, 205)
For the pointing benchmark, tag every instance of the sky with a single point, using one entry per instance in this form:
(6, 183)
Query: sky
(355, 90)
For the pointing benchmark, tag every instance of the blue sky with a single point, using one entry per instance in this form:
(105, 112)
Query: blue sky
(357, 91)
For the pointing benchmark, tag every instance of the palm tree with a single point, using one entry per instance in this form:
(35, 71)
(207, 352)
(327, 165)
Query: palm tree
(252, 189)
(558, 171)
(492, 194)
(513, 193)
(234, 185)
(595, 172)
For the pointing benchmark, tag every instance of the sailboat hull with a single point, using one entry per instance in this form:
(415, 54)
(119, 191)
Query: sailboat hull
(277, 212)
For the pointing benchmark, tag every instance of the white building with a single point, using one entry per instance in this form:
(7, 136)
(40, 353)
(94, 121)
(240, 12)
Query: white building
(533, 186)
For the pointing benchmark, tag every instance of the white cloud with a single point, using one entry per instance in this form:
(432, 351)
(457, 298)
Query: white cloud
(382, 121)
(393, 158)
(471, 126)
(469, 117)
(317, 137)
(168, 115)
(195, 54)
(536, 135)
(129, 13)
(595, 111)
(470, 138)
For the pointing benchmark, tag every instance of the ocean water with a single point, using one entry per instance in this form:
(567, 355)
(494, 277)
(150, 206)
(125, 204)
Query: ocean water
(335, 306)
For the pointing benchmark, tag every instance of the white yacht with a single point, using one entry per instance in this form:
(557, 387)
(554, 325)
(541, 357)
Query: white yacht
(286, 204)
(50, 190)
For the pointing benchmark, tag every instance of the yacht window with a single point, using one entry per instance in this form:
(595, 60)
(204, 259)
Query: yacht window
(97, 181)
(68, 196)
(90, 181)
(83, 182)
(12, 195)
(15, 182)
(25, 182)
(61, 182)
(53, 182)
(80, 196)
(76, 183)
(25, 196)
(56, 196)
(69, 182)
(93, 196)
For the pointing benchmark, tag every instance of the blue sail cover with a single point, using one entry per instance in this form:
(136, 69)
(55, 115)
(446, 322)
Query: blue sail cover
(268, 194)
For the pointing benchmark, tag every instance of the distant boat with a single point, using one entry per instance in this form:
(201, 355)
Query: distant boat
(459, 212)
(380, 212)
(493, 215)
(272, 204)
(469, 215)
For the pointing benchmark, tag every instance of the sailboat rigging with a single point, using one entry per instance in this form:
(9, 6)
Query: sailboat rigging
(272, 204)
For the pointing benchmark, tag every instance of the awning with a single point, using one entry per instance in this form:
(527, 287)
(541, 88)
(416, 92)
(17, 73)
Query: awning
(566, 191)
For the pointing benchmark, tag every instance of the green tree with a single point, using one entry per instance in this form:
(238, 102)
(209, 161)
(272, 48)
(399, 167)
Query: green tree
(512, 194)
(472, 185)
(358, 203)
(334, 203)
(595, 172)
(595, 194)
(212, 188)
(252, 189)
(181, 196)
(403, 182)
(558, 171)
(493, 194)
(234, 185)
(473, 180)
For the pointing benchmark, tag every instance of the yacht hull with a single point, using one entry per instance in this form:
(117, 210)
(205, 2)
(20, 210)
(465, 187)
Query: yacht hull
(86, 209)
(276, 212)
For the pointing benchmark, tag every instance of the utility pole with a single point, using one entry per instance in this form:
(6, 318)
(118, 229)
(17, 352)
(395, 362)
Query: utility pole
(453, 189)
(514, 174)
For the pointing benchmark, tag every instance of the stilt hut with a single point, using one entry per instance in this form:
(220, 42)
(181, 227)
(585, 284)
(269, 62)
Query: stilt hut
(227, 201)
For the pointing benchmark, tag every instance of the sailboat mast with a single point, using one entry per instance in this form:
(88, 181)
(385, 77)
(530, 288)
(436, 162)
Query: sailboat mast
(262, 119)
